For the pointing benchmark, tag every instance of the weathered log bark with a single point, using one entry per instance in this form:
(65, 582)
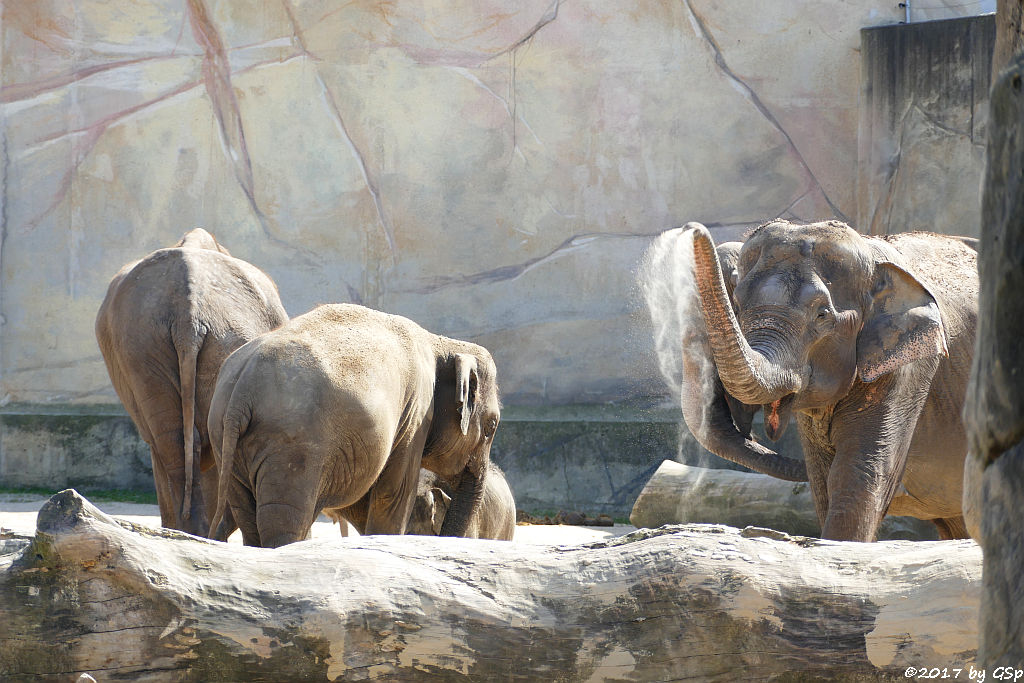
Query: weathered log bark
(680, 494)
(1009, 34)
(90, 594)
(994, 410)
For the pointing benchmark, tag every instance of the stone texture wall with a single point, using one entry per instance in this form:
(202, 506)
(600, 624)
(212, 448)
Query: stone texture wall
(493, 170)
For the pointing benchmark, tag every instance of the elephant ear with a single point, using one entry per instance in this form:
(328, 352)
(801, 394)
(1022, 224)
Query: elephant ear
(465, 387)
(904, 324)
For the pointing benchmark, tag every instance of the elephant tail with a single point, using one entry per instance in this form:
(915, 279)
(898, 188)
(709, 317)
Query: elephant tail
(235, 423)
(188, 357)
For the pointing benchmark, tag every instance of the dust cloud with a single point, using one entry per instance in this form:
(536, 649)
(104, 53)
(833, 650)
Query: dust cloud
(666, 280)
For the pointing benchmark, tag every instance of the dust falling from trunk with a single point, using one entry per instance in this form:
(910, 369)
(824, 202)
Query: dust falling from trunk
(666, 279)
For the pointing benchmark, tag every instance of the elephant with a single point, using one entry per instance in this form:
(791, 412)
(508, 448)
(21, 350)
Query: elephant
(167, 323)
(866, 342)
(495, 518)
(345, 402)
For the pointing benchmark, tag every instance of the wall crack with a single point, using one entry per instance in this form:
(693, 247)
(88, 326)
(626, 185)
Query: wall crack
(701, 29)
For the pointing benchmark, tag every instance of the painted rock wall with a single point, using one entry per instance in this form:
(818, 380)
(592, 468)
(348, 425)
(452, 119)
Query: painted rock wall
(493, 170)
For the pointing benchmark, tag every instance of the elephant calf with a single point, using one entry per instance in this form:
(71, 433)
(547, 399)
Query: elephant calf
(167, 323)
(343, 403)
(494, 518)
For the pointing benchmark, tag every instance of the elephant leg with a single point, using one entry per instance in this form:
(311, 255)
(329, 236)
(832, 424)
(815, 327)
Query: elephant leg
(241, 512)
(164, 498)
(208, 484)
(285, 489)
(818, 457)
(872, 430)
(951, 528)
(161, 415)
(354, 514)
(392, 496)
(281, 522)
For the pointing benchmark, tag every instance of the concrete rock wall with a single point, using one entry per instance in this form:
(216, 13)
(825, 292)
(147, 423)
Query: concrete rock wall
(493, 170)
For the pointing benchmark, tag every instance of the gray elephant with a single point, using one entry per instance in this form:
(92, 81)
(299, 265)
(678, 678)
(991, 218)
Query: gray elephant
(866, 341)
(494, 518)
(167, 323)
(345, 402)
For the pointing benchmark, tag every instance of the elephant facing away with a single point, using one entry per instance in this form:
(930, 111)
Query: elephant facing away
(343, 403)
(866, 341)
(167, 323)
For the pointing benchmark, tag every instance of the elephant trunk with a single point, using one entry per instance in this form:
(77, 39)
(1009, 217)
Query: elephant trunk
(746, 374)
(713, 423)
(465, 501)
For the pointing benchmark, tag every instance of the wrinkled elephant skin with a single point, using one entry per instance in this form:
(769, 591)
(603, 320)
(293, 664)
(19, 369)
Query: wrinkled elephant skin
(865, 341)
(341, 407)
(167, 323)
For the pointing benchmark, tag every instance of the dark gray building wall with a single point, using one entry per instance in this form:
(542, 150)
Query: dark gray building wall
(923, 115)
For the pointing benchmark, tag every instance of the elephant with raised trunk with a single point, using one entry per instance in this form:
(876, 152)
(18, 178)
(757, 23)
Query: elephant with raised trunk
(343, 403)
(865, 341)
(167, 323)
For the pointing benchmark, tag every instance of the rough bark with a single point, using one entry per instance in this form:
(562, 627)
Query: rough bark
(680, 494)
(994, 412)
(90, 594)
(1009, 34)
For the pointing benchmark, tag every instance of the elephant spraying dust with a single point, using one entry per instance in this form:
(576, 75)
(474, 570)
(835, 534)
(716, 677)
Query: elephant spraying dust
(866, 341)
(167, 323)
(343, 403)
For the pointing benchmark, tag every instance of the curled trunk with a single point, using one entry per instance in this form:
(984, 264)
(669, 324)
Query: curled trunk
(746, 374)
(466, 500)
(719, 422)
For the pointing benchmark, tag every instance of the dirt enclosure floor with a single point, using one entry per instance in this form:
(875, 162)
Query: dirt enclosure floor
(18, 513)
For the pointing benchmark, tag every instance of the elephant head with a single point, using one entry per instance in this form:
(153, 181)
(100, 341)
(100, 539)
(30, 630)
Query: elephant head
(792, 319)
(466, 415)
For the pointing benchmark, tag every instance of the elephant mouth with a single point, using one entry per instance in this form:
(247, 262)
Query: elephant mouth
(776, 416)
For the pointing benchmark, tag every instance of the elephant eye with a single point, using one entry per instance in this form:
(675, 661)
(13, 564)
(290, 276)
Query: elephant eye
(492, 426)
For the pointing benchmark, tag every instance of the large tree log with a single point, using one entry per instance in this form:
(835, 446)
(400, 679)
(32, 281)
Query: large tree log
(681, 494)
(90, 594)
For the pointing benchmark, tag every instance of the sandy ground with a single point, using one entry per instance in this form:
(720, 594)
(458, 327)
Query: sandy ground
(18, 514)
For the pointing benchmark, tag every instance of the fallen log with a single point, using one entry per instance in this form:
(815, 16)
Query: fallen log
(91, 594)
(681, 494)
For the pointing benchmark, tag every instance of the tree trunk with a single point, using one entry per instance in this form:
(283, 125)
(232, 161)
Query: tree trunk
(1009, 34)
(680, 494)
(91, 594)
(994, 410)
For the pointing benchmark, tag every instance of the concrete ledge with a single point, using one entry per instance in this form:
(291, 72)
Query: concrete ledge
(57, 446)
(592, 458)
